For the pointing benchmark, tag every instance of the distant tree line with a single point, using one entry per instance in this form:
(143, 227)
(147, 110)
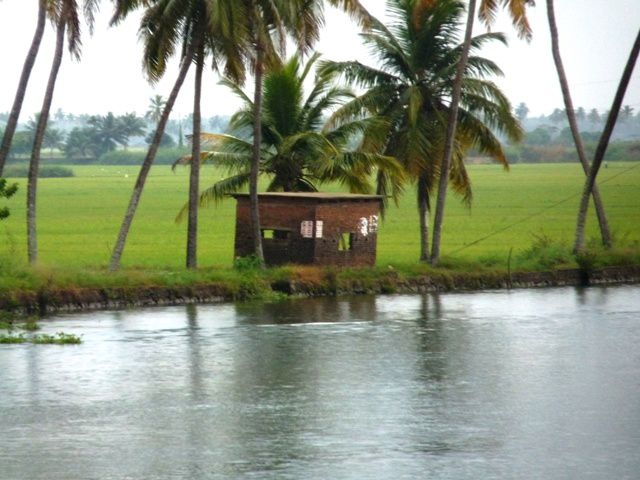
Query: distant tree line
(91, 138)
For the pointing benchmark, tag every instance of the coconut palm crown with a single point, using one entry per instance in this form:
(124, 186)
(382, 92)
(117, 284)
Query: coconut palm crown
(297, 153)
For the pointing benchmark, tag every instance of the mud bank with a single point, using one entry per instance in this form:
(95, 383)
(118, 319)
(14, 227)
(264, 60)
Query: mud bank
(51, 300)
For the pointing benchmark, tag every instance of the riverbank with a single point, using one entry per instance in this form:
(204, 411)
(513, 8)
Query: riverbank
(47, 293)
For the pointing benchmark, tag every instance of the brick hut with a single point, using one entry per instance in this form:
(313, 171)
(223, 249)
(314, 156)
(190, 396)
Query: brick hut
(311, 228)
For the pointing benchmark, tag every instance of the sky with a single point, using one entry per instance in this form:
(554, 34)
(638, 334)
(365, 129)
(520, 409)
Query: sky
(595, 38)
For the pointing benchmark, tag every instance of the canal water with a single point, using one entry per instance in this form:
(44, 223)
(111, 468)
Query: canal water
(539, 384)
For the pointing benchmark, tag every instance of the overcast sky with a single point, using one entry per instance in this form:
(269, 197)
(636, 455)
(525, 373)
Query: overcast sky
(596, 37)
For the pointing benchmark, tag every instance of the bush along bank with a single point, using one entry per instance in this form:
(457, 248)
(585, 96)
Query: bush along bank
(67, 291)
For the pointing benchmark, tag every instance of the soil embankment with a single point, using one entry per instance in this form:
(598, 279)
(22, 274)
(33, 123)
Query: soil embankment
(327, 282)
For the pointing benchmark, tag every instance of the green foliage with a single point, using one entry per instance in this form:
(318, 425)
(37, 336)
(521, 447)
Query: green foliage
(46, 171)
(545, 253)
(165, 156)
(6, 191)
(12, 339)
(59, 338)
(103, 134)
(411, 88)
(167, 140)
(298, 153)
(250, 263)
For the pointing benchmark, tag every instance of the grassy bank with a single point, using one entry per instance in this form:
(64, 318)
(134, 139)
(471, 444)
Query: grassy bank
(45, 290)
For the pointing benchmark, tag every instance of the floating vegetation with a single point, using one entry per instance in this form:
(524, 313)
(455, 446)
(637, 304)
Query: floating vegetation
(31, 325)
(59, 338)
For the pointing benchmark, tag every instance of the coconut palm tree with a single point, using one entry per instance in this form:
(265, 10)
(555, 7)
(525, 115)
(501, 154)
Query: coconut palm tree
(30, 60)
(603, 143)
(418, 58)
(202, 28)
(573, 122)
(297, 154)
(487, 13)
(156, 106)
(65, 15)
(269, 22)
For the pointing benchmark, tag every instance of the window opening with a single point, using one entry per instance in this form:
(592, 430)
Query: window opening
(275, 234)
(345, 242)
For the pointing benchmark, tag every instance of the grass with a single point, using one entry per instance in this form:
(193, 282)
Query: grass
(78, 220)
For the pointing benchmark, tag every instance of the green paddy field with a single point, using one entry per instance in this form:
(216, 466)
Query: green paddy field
(79, 217)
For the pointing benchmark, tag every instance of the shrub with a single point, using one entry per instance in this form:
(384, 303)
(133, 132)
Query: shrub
(165, 156)
(46, 171)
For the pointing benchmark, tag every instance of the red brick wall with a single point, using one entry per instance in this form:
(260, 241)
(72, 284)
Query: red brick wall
(288, 213)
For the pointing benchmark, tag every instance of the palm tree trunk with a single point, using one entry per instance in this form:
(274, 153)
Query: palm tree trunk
(255, 160)
(116, 255)
(423, 210)
(194, 176)
(605, 232)
(34, 165)
(603, 144)
(445, 166)
(12, 122)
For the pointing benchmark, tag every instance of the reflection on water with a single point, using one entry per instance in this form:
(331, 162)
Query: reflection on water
(521, 384)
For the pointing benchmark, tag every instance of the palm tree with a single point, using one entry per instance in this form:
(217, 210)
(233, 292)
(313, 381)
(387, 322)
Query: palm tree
(593, 116)
(107, 131)
(488, 9)
(419, 59)
(30, 60)
(604, 142)
(66, 17)
(156, 106)
(573, 123)
(269, 22)
(131, 126)
(202, 28)
(522, 111)
(297, 154)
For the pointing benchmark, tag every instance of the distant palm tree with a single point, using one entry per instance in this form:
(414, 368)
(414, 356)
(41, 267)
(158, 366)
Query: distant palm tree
(30, 60)
(297, 153)
(487, 13)
(593, 116)
(131, 126)
(108, 132)
(522, 111)
(156, 106)
(418, 59)
(626, 113)
(604, 143)
(573, 122)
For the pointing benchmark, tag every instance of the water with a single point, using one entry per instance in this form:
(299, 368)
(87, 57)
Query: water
(540, 384)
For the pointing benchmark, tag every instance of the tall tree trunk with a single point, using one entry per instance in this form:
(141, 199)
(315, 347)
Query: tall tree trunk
(255, 160)
(423, 211)
(194, 176)
(12, 122)
(445, 166)
(602, 145)
(605, 233)
(34, 165)
(116, 255)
